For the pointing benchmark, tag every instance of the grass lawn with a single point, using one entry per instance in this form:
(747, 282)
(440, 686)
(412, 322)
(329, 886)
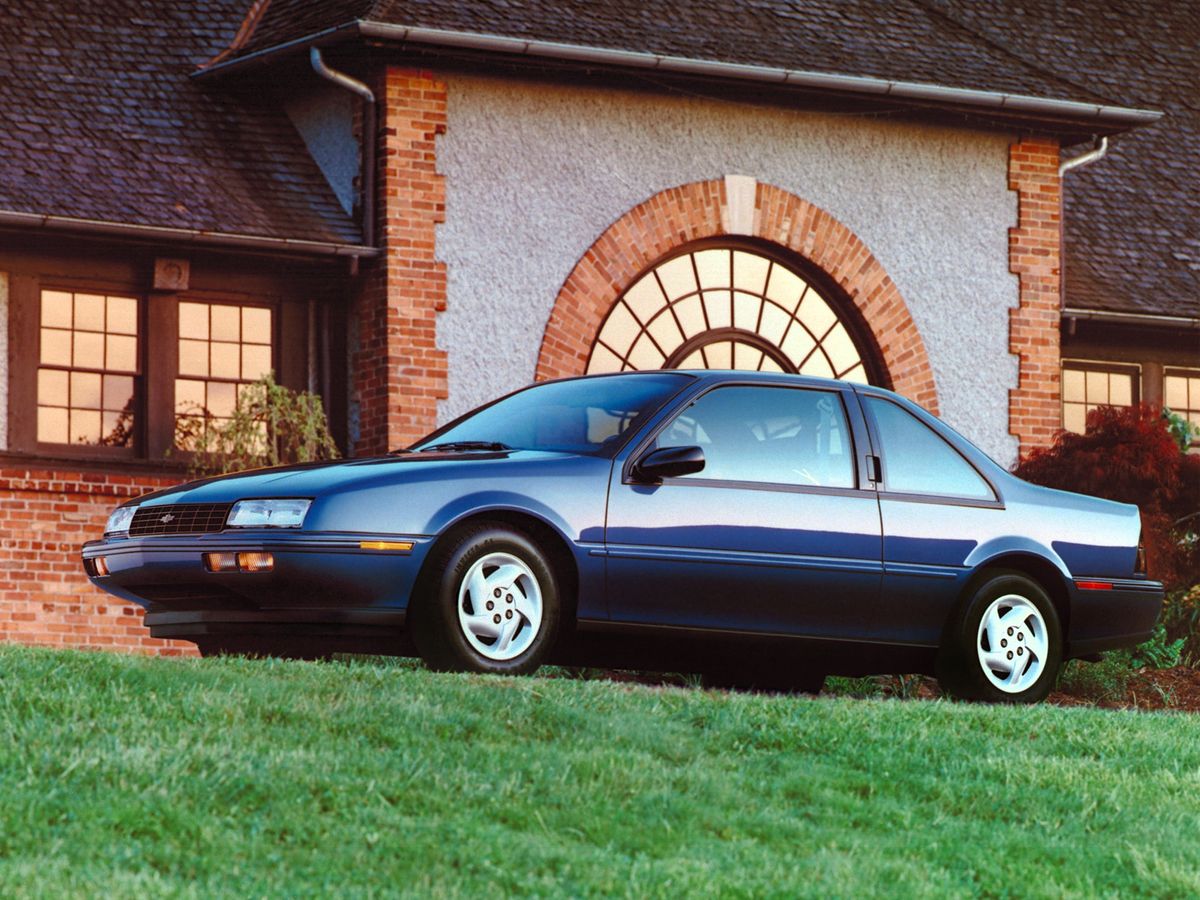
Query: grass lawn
(164, 776)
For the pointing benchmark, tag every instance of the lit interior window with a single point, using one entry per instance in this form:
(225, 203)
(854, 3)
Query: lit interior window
(88, 367)
(726, 308)
(221, 348)
(1181, 393)
(1084, 389)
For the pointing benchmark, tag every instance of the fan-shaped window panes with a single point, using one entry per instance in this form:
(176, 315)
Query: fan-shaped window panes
(726, 308)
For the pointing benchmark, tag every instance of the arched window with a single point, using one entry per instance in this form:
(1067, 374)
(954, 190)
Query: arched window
(728, 307)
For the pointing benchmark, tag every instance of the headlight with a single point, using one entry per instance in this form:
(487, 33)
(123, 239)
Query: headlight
(120, 519)
(268, 514)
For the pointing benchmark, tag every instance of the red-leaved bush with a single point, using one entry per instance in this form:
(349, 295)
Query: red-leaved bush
(1129, 455)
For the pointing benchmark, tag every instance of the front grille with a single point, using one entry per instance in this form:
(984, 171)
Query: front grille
(179, 518)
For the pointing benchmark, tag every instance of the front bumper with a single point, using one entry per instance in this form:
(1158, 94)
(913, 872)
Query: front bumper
(321, 584)
(1123, 614)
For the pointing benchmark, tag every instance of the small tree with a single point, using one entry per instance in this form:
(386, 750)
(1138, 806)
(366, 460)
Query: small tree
(1131, 455)
(271, 425)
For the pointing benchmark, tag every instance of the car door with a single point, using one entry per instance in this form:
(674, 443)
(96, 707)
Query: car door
(778, 533)
(936, 507)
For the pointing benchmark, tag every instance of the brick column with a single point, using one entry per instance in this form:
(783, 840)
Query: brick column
(399, 373)
(1035, 255)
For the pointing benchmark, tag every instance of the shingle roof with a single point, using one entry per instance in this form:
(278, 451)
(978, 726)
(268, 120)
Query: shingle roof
(100, 120)
(1132, 219)
(903, 40)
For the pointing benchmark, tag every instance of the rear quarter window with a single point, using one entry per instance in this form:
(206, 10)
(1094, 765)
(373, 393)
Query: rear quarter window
(917, 460)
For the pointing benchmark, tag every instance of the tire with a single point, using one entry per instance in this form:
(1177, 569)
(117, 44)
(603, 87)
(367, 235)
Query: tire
(1003, 644)
(510, 628)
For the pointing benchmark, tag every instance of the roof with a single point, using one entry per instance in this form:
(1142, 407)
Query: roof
(910, 42)
(99, 121)
(1131, 219)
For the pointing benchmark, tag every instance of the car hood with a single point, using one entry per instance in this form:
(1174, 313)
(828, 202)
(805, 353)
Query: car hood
(323, 478)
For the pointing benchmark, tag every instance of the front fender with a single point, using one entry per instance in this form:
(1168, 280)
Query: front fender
(460, 508)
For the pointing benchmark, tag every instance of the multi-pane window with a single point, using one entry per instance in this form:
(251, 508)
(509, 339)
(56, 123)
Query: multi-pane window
(88, 368)
(1086, 386)
(1181, 393)
(222, 346)
(726, 308)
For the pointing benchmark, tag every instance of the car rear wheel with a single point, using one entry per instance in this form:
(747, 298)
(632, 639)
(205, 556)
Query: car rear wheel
(1004, 644)
(491, 604)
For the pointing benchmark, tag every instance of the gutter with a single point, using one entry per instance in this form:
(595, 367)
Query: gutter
(1190, 322)
(182, 235)
(1098, 116)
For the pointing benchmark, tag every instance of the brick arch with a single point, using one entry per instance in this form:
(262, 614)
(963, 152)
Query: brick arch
(690, 212)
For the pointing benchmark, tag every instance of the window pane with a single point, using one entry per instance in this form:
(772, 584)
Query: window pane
(256, 325)
(52, 387)
(1097, 387)
(226, 323)
(189, 395)
(222, 397)
(52, 425)
(85, 390)
(193, 357)
(917, 461)
(256, 361)
(1074, 417)
(750, 272)
(677, 277)
(226, 360)
(1120, 387)
(713, 268)
(89, 350)
(122, 353)
(1072, 386)
(85, 426)
(89, 312)
(56, 347)
(1176, 392)
(193, 321)
(767, 435)
(56, 309)
(122, 315)
(118, 392)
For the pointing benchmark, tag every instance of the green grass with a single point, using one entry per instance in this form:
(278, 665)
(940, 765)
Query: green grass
(133, 776)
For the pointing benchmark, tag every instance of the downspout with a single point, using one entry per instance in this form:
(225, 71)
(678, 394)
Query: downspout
(1083, 159)
(1097, 152)
(341, 79)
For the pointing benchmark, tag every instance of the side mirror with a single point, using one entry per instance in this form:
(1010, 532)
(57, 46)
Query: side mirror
(668, 462)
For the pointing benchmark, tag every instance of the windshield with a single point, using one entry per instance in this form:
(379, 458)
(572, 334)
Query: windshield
(583, 415)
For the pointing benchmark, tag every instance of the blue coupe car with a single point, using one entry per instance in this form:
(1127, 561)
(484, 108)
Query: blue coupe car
(760, 529)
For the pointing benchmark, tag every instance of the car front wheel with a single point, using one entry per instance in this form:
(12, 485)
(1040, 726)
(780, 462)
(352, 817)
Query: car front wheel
(1004, 645)
(491, 605)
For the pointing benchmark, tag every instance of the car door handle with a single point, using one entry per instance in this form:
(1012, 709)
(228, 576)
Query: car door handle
(874, 469)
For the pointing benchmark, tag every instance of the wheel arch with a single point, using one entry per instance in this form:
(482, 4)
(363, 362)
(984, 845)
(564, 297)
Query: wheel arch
(1041, 570)
(545, 535)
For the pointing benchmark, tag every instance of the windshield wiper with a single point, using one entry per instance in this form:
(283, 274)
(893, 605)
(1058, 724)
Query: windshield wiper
(466, 445)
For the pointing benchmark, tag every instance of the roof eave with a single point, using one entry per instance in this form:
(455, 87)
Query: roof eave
(1096, 118)
(191, 236)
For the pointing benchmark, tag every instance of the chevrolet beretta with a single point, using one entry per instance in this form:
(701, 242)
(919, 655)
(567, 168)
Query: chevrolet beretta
(760, 529)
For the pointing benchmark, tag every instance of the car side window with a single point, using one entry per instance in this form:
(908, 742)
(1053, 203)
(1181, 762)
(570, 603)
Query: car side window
(773, 435)
(917, 460)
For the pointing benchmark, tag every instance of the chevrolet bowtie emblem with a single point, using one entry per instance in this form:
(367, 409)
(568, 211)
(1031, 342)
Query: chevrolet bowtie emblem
(167, 519)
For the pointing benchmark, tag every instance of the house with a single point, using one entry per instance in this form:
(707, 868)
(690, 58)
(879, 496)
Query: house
(866, 190)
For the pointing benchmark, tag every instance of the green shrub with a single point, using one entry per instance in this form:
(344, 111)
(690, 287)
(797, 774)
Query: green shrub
(1097, 681)
(1160, 652)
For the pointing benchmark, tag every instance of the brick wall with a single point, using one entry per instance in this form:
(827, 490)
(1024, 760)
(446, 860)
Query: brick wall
(687, 213)
(45, 597)
(1034, 255)
(399, 373)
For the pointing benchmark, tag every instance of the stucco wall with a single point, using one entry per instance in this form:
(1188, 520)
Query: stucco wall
(324, 116)
(535, 173)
